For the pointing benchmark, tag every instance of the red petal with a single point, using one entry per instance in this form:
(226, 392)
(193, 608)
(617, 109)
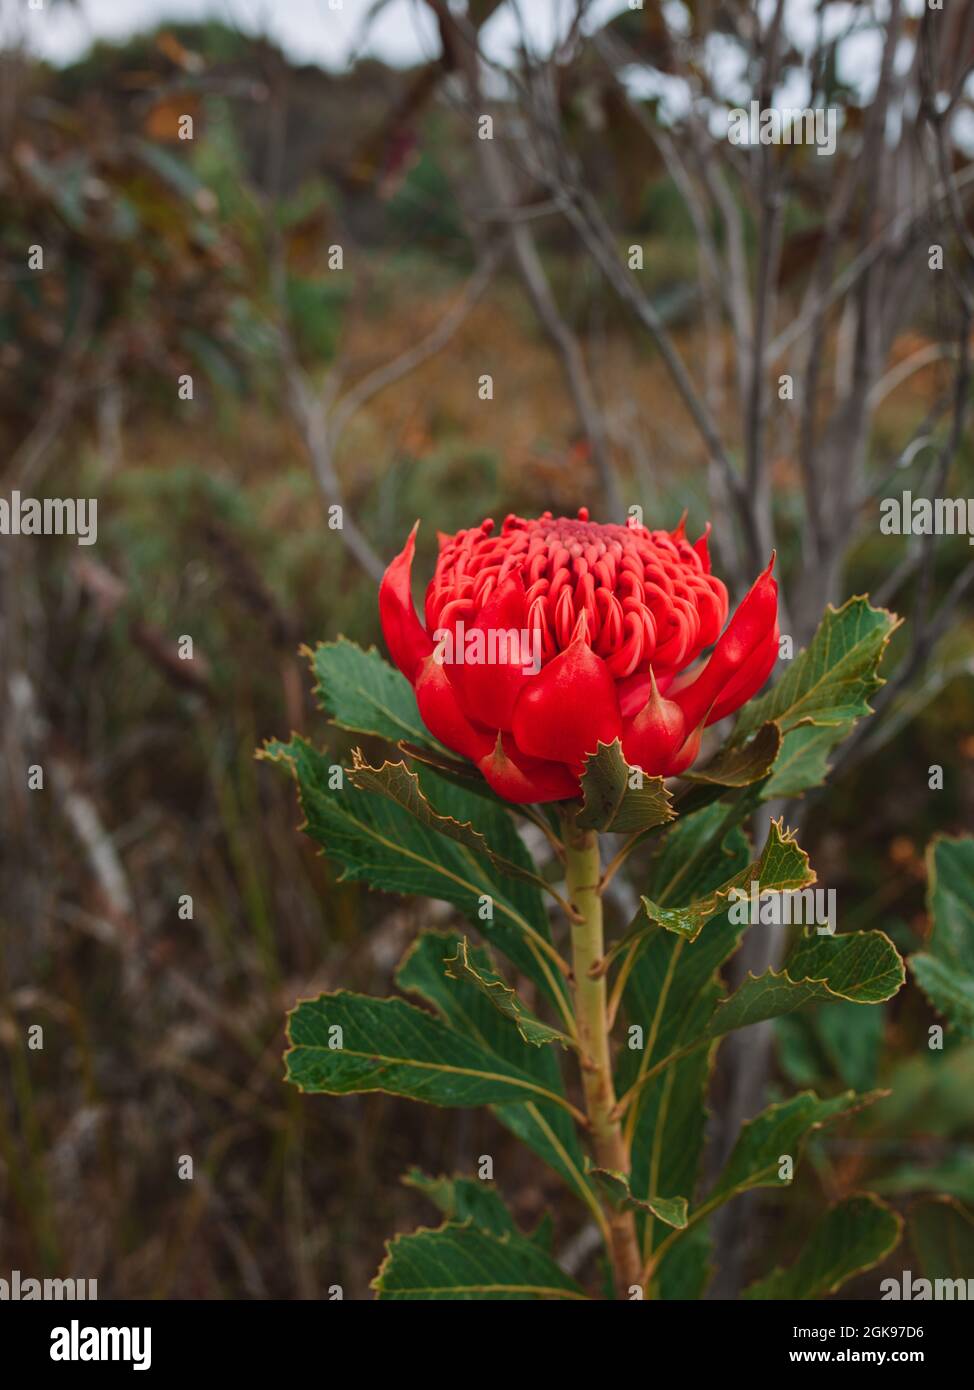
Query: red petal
(518, 778)
(748, 680)
(653, 738)
(440, 711)
(748, 630)
(634, 691)
(565, 711)
(684, 756)
(702, 547)
(489, 689)
(406, 638)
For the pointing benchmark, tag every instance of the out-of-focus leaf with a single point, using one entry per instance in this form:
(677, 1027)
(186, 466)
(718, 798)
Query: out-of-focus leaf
(945, 971)
(942, 1237)
(829, 1040)
(214, 361)
(853, 1236)
(937, 1085)
(316, 308)
(852, 1039)
(173, 169)
(953, 1176)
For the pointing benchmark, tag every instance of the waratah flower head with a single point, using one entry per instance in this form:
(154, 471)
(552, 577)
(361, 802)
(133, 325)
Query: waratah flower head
(560, 633)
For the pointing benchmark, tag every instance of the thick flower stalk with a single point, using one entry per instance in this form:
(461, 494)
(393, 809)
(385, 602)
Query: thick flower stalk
(558, 634)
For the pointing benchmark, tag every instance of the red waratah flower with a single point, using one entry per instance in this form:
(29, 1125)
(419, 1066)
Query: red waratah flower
(608, 620)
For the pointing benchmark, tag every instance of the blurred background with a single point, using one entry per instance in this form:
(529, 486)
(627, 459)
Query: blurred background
(294, 208)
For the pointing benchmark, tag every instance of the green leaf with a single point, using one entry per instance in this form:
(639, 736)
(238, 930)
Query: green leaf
(399, 784)
(804, 760)
(951, 901)
(543, 1234)
(611, 803)
(696, 855)
(544, 1127)
(388, 1045)
(463, 1200)
(740, 766)
(829, 1040)
(942, 1237)
(863, 967)
(366, 695)
(945, 971)
(462, 1262)
(830, 682)
(377, 840)
(763, 1143)
(937, 1085)
(685, 1269)
(782, 866)
(855, 1235)
(451, 769)
(779, 1131)
(852, 1040)
(178, 174)
(950, 994)
(670, 993)
(953, 1176)
(504, 999)
(616, 1191)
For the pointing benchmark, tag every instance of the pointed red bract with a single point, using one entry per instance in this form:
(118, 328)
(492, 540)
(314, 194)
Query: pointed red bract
(489, 689)
(749, 679)
(519, 778)
(654, 736)
(406, 638)
(746, 633)
(569, 708)
(442, 714)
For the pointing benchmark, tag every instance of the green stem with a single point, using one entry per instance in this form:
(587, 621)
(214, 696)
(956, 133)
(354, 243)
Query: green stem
(591, 1015)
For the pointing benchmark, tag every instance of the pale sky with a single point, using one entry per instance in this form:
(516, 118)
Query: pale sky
(402, 32)
(310, 31)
